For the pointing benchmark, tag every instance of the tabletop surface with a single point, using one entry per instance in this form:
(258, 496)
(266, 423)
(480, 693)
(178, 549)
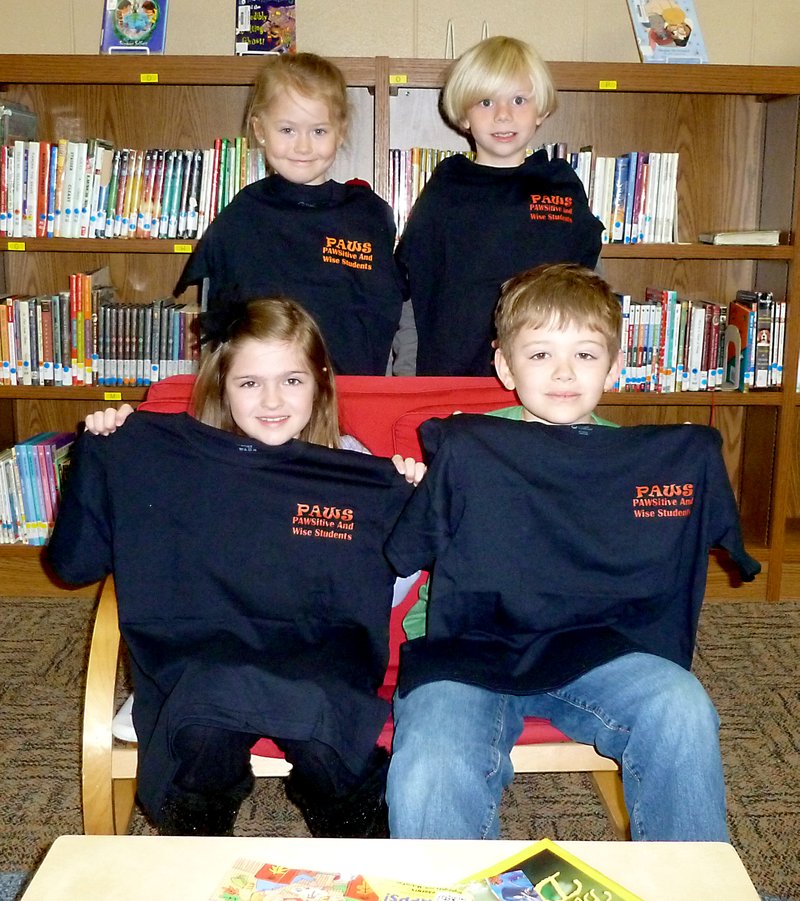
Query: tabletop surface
(79, 867)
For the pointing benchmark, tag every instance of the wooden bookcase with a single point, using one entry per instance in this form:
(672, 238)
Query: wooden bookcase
(736, 128)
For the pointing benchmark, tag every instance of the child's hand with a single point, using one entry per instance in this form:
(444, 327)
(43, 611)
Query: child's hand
(413, 470)
(104, 422)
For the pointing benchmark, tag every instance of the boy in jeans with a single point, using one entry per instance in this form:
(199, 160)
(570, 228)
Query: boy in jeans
(568, 568)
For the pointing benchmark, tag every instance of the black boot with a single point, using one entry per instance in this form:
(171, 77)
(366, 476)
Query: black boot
(361, 814)
(192, 813)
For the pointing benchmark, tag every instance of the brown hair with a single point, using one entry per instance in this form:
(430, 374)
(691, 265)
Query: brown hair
(272, 319)
(489, 67)
(558, 294)
(309, 75)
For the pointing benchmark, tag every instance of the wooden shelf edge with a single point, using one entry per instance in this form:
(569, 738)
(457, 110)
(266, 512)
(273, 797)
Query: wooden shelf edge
(767, 81)
(76, 392)
(98, 245)
(23, 574)
(153, 71)
(694, 398)
(684, 251)
(696, 251)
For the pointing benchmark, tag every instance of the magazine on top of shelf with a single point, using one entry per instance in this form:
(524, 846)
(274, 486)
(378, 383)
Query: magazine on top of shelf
(265, 26)
(667, 31)
(543, 871)
(134, 26)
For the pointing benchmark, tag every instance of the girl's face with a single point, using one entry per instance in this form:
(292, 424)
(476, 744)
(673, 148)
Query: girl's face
(299, 138)
(503, 124)
(270, 390)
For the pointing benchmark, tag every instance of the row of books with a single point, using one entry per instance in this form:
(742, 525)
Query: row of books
(85, 337)
(634, 194)
(409, 172)
(90, 189)
(671, 344)
(31, 479)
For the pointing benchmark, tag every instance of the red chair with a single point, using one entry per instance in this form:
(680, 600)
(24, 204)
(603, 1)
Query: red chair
(384, 414)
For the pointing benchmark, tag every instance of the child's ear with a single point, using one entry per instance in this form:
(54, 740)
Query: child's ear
(503, 370)
(614, 372)
(540, 119)
(258, 128)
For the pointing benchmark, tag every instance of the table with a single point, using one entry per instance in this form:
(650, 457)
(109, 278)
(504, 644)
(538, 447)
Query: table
(133, 868)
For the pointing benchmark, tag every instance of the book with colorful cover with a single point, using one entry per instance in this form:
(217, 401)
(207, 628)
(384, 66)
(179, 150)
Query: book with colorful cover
(543, 871)
(667, 31)
(134, 26)
(250, 879)
(265, 26)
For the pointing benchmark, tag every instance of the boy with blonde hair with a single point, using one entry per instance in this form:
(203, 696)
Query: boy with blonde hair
(568, 568)
(477, 223)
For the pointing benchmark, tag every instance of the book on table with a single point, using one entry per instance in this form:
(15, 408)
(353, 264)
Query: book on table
(543, 871)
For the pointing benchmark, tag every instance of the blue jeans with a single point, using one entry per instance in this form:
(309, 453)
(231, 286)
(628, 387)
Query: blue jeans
(450, 758)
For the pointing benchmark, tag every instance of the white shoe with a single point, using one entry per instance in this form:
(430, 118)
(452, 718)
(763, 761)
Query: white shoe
(122, 724)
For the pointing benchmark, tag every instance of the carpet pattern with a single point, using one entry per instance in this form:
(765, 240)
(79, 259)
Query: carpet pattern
(748, 658)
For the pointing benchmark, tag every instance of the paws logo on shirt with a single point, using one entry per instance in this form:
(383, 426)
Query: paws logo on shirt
(323, 521)
(551, 208)
(663, 501)
(346, 252)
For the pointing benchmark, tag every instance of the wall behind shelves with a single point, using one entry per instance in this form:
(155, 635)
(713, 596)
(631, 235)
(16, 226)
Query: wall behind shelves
(737, 32)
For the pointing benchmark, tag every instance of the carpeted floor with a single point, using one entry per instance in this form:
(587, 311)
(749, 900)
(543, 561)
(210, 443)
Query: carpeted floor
(747, 657)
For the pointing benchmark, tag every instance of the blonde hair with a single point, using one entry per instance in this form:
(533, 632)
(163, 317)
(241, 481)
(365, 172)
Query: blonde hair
(272, 319)
(489, 67)
(307, 74)
(558, 295)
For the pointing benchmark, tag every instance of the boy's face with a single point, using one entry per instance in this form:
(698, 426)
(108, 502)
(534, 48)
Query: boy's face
(559, 374)
(503, 124)
(299, 139)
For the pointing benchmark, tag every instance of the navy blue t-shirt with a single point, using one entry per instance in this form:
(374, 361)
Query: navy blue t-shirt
(253, 590)
(554, 549)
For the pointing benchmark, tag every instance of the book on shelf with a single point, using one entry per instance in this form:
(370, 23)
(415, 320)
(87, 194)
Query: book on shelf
(265, 26)
(134, 26)
(667, 31)
(543, 871)
(672, 344)
(32, 475)
(758, 237)
(17, 122)
(90, 189)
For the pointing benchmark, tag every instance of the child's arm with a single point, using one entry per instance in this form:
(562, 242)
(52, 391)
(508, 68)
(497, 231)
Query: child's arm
(104, 422)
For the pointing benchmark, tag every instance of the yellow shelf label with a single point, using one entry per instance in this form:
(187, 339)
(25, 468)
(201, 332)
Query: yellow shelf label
(148, 77)
(607, 85)
(398, 79)
(182, 248)
(112, 395)
(16, 245)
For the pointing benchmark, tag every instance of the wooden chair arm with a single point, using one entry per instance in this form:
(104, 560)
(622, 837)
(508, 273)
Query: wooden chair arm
(98, 712)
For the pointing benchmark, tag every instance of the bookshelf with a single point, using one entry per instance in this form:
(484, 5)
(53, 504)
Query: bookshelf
(735, 127)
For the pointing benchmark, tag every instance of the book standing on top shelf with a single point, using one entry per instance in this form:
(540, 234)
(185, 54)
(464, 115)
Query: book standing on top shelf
(134, 26)
(667, 31)
(265, 26)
